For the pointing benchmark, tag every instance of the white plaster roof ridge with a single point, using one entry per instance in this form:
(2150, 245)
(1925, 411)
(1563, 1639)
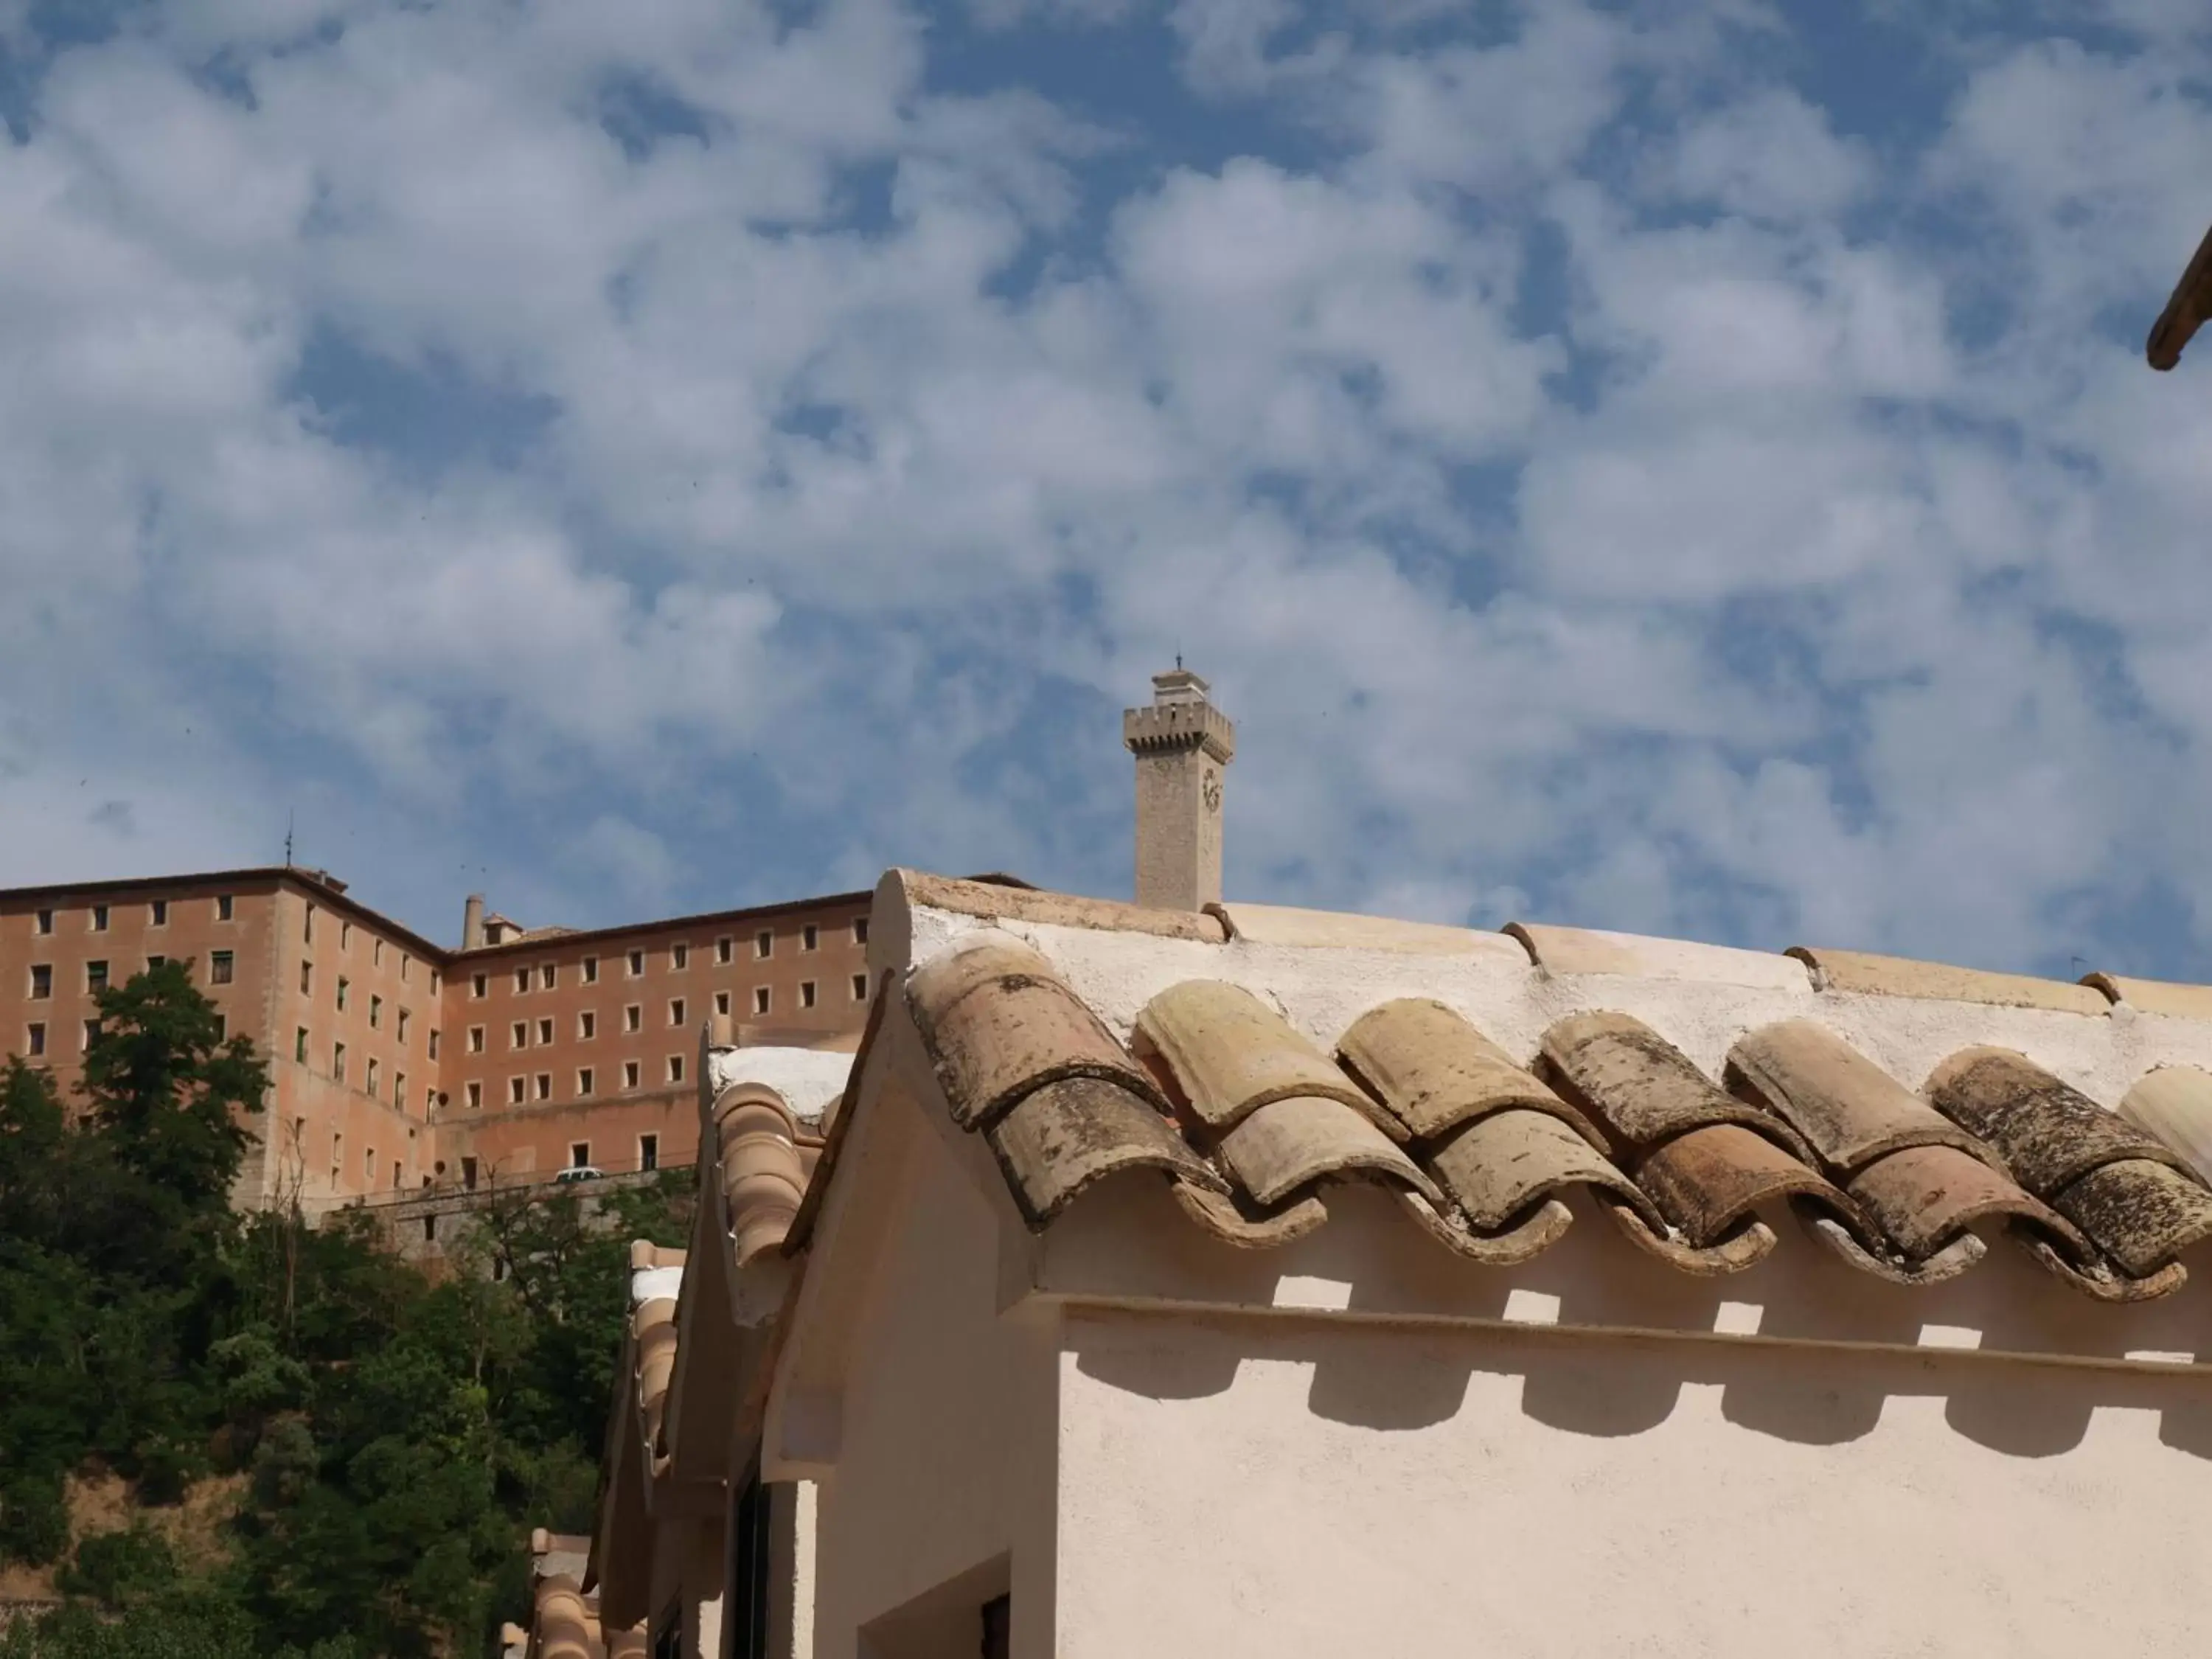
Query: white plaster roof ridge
(1559, 949)
(808, 1079)
(1283, 925)
(654, 1284)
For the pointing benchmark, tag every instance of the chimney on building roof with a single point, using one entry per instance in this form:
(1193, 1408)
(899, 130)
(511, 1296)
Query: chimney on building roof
(1183, 745)
(472, 923)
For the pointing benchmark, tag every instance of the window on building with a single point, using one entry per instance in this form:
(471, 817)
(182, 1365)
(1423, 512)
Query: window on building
(476, 1039)
(726, 948)
(374, 1067)
(479, 985)
(155, 961)
(397, 1180)
(375, 1012)
(95, 976)
(545, 1085)
(584, 1082)
(468, 1174)
(369, 1166)
(636, 963)
(401, 1033)
(859, 987)
(591, 970)
(579, 1154)
(158, 913)
(679, 956)
(222, 1028)
(307, 978)
(676, 1068)
(98, 918)
(433, 1042)
(307, 929)
(435, 978)
(648, 1152)
(498, 1269)
(338, 1151)
(676, 1011)
(806, 993)
(764, 945)
(722, 1003)
(998, 1627)
(473, 1093)
(376, 953)
(750, 1581)
(221, 967)
(338, 1061)
(91, 1033)
(518, 1034)
(633, 1017)
(859, 930)
(299, 1135)
(430, 1227)
(42, 979)
(345, 989)
(224, 909)
(345, 937)
(406, 966)
(300, 1045)
(629, 1074)
(548, 976)
(544, 1031)
(587, 1025)
(45, 923)
(760, 999)
(809, 937)
(34, 1038)
(399, 1090)
(521, 980)
(514, 1087)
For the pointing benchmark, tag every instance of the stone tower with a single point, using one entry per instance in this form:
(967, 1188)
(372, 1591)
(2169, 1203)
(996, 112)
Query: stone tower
(1183, 745)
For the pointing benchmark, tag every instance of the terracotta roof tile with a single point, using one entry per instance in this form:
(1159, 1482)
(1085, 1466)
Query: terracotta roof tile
(763, 1175)
(2174, 1103)
(1900, 977)
(1924, 1197)
(1499, 1166)
(1059, 1139)
(1848, 1109)
(1281, 1145)
(1642, 1088)
(2153, 996)
(2047, 1132)
(2143, 1212)
(1230, 1053)
(1433, 1070)
(1708, 1180)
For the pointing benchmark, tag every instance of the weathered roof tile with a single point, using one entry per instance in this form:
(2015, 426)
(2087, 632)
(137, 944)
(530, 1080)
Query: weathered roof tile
(1060, 1139)
(1434, 1071)
(1847, 1108)
(1281, 1145)
(1641, 1086)
(1707, 1181)
(2144, 1213)
(1924, 1197)
(1230, 1054)
(2048, 1133)
(1497, 1166)
(2174, 1103)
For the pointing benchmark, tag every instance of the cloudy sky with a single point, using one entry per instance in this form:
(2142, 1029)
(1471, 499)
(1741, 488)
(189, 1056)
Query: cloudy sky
(1686, 468)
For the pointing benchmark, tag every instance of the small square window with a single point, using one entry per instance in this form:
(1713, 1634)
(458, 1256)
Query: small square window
(764, 945)
(809, 937)
(375, 1013)
(859, 930)
(547, 976)
(591, 970)
(521, 980)
(722, 1003)
(636, 963)
(633, 1017)
(806, 993)
(545, 1085)
(98, 918)
(629, 1074)
(95, 976)
(679, 956)
(544, 1032)
(584, 1081)
(676, 1012)
(300, 1045)
(35, 1038)
(518, 1034)
(338, 1061)
(221, 966)
(859, 987)
(479, 984)
(587, 1025)
(676, 1068)
(760, 999)
(45, 923)
(474, 1094)
(648, 1152)
(91, 1033)
(726, 948)
(225, 907)
(514, 1088)
(155, 961)
(345, 986)
(42, 979)
(579, 1154)
(476, 1039)
(159, 916)
(307, 978)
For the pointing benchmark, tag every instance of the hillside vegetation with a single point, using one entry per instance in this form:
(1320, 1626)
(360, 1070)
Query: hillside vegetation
(327, 1453)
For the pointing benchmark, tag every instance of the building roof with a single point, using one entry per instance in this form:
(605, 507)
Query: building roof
(318, 884)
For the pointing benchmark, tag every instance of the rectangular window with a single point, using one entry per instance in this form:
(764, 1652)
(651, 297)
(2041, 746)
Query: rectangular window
(98, 918)
(584, 1082)
(514, 1086)
(764, 945)
(518, 1034)
(479, 984)
(469, 1175)
(760, 999)
(402, 1032)
(579, 1154)
(345, 937)
(679, 956)
(95, 976)
(544, 1032)
(591, 970)
(307, 929)
(221, 966)
(406, 966)
(476, 1039)
(222, 1028)
(676, 1011)
(373, 1069)
(224, 909)
(45, 923)
(648, 1152)
(369, 1166)
(806, 993)
(809, 937)
(376, 954)
(399, 1089)
(636, 963)
(676, 1068)
(521, 980)
(42, 979)
(91, 1033)
(159, 916)
(338, 1061)
(726, 948)
(587, 1025)
(859, 930)
(434, 1044)
(629, 1074)
(345, 986)
(338, 1151)
(35, 1036)
(300, 1045)
(722, 1003)
(859, 987)
(474, 1094)
(547, 976)
(153, 963)
(375, 1012)
(545, 1085)
(435, 981)
(307, 978)
(633, 1017)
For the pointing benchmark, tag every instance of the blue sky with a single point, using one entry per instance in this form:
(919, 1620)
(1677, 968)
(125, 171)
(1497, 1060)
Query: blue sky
(1680, 468)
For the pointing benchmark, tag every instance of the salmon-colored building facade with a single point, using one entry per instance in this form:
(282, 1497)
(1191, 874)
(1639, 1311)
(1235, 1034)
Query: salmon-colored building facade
(396, 1062)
